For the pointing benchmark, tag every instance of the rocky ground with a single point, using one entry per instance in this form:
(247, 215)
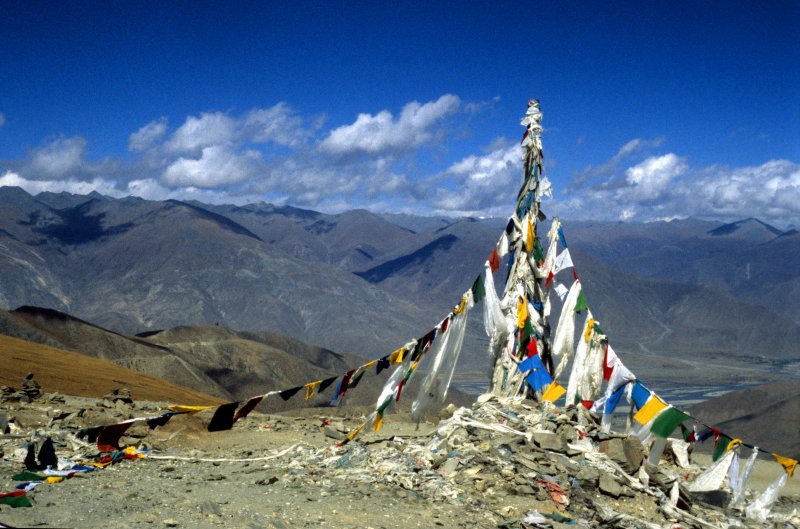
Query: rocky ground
(499, 464)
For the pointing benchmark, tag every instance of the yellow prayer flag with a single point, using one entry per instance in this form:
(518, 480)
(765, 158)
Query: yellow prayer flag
(554, 392)
(529, 239)
(54, 479)
(589, 328)
(733, 444)
(370, 364)
(396, 357)
(460, 309)
(522, 312)
(189, 409)
(311, 387)
(788, 464)
(378, 422)
(352, 435)
(653, 407)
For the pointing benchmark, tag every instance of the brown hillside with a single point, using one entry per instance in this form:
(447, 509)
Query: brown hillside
(77, 374)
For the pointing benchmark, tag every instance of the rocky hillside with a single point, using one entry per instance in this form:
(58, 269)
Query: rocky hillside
(765, 415)
(364, 283)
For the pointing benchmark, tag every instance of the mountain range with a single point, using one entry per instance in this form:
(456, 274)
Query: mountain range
(364, 283)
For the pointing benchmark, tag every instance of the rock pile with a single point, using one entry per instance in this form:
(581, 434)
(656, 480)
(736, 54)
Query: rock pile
(501, 463)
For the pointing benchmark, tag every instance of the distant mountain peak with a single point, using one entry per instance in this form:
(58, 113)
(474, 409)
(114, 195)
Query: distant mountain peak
(749, 228)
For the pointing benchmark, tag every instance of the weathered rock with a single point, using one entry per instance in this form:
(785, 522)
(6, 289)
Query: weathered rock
(627, 452)
(714, 498)
(588, 476)
(549, 441)
(121, 395)
(609, 486)
(30, 387)
(4, 427)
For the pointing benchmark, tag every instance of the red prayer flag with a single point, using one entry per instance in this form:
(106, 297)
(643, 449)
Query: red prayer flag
(550, 278)
(533, 349)
(494, 261)
(587, 404)
(606, 368)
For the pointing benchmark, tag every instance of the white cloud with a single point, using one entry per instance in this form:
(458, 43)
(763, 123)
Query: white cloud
(71, 185)
(383, 133)
(666, 187)
(276, 124)
(58, 159)
(211, 128)
(650, 178)
(481, 184)
(218, 165)
(148, 135)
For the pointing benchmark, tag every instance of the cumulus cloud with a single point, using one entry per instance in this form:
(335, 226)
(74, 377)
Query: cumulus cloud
(277, 124)
(383, 133)
(481, 185)
(666, 186)
(611, 166)
(649, 179)
(148, 135)
(217, 165)
(210, 128)
(57, 159)
(70, 185)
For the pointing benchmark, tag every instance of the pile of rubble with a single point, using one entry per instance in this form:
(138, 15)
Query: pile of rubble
(507, 463)
(503, 456)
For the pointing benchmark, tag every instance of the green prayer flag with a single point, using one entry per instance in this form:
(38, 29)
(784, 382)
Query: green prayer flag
(538, 253)
(667, 421)
(478, 290)
(719, 449)
(16, 501)
(581, 303)
(27, 475)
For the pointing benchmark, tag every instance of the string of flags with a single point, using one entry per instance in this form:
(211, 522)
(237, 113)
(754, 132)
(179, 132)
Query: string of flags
(530, 359)
(526, 350)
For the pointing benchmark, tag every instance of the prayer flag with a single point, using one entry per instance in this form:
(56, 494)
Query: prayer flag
(561, 291)
(223, 417)
(383, 363)
(352, 435)
(650, 410)
(108, 440)
(640, 394)
(378, 422)
(562, 262)
(522, 312)
(357, 379)
(15, 499)
(613, 400)
(396, 357)
(667, 421)
(529, 238)
(161, 420)
(721, 444)
(554, 392)
(189, 409)
(788, 464)
(249, 406)
(287, 394)
(328, 381)
(478, 289)
(581, 303)
(494, 261)
(310, 387)
(561, 240)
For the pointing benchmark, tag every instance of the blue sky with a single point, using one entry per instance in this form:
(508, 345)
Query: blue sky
(652, 110)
